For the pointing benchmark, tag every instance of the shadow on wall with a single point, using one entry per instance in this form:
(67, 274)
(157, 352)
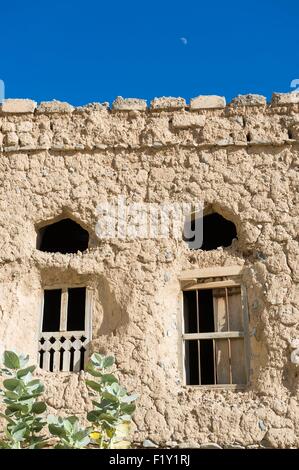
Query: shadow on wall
(109, 311)
(114, 308)
(290, 375)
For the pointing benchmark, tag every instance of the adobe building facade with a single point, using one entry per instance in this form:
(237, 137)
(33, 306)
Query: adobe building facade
(208, 338)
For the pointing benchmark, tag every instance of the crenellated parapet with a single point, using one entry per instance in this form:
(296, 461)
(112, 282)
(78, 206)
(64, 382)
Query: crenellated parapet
(129, 123)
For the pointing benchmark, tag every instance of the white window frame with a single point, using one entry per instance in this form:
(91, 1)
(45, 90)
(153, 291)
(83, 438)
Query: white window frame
(87, 332)
(195, 279)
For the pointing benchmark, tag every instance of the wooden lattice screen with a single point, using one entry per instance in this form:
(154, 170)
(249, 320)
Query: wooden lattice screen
(65, 349)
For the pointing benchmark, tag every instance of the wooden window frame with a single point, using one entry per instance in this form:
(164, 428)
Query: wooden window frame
(195, 280)
(87, 332)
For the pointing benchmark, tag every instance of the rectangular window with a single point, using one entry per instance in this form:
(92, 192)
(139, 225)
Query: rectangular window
(65, 331)
(214, 333)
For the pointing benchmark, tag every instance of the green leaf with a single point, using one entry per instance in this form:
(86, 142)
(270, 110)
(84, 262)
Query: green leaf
(128, 408)
(116, 389)
(108, 361)
(78, 436)
(108, 417)
(11, 360)
(23, 360)
(10, 396)
(72, 419)
(37, 442)
(26, 409)
(93, 415)
(94, 385)
(19, 432)
(56, 430)
(39, 407)
(97, 359)
(90, 368)
(38, 427)
(27, 370)
(69, 424)
(28, 397)
(107, 426)
(12, 408)
(110, 398)
(34, 388)
(83, 442)
(129, 398)
(96, 404)
(109, 378)
(34, 385)
(11, 384)
(125, 418)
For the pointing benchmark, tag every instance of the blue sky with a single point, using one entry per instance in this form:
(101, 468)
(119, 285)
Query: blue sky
(92, 50)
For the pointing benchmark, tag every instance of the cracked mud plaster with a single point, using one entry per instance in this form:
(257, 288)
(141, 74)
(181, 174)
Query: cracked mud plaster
(243, 160)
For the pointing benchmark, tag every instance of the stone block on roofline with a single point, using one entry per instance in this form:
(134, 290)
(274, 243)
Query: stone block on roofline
(54, 107)
(285, 98)
(17, 105)
(207, 101)
(249, 100)
(129, 104)
(168, 103)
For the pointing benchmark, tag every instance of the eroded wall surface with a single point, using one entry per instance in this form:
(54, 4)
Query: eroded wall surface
(243, 159)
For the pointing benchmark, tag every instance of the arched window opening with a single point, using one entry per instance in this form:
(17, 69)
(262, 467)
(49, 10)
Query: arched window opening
(65, 236)
(210, 232)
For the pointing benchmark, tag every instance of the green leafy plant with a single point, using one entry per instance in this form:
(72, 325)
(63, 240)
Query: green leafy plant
(21, 395)
(111, 417)
(70, 433)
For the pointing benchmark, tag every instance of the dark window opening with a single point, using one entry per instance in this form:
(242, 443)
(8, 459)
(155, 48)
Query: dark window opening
(192, 363)
(51, 315)
(198, 311)
(216, 232)
(76, 309)
(65, 236)
(205, 310)
(207, 362)
(190, 315)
